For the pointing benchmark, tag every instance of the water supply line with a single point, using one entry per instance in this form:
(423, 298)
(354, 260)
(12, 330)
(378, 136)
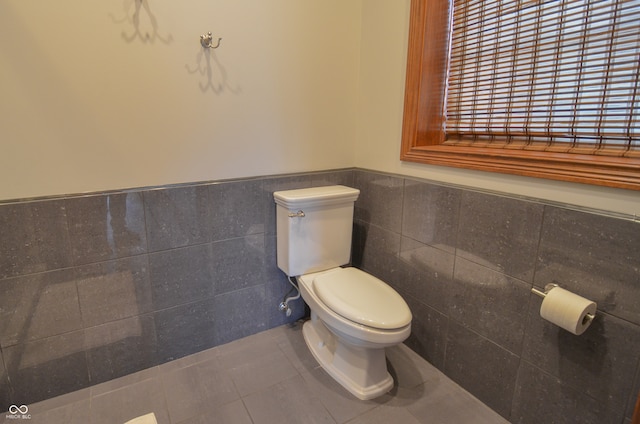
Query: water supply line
(284, 305)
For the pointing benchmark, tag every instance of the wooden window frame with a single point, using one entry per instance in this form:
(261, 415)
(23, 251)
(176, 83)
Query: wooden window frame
(423, 136)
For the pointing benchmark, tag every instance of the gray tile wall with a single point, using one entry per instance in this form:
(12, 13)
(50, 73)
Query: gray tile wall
(466, 261)
(98, 286)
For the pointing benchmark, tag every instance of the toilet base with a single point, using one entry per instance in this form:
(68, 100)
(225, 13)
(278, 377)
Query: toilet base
(362, 371)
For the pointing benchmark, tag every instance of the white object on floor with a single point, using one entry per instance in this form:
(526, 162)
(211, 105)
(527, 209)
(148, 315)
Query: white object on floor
(150, 418)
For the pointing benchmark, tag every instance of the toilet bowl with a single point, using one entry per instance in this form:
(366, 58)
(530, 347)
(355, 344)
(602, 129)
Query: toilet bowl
(354, 316)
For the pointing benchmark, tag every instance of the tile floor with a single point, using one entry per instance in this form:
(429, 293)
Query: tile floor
(268, 378)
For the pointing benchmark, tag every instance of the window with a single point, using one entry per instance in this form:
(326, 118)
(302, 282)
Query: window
(539, 88)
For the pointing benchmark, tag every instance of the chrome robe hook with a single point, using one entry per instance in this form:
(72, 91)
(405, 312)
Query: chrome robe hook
(207, 41)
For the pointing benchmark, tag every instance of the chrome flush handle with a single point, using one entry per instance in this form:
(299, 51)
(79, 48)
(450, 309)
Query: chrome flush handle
(299, 214)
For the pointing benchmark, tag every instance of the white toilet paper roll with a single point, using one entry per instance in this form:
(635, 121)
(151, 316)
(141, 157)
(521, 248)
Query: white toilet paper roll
(567, 310)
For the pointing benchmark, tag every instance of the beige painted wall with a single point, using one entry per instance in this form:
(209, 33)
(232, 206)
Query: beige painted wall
(91, 99)
(384, 43)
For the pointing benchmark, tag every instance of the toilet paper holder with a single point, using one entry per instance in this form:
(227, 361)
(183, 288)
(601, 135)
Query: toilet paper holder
(548, 288)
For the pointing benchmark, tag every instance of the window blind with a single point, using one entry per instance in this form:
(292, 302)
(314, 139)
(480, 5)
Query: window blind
(560, 76)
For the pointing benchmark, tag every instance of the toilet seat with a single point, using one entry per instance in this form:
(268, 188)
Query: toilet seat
(362, 298)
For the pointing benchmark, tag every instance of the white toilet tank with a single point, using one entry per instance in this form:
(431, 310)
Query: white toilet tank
(314, 227)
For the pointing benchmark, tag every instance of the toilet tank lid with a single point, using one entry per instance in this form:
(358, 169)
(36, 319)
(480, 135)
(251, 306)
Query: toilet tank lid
(362, 298)
(316, 196)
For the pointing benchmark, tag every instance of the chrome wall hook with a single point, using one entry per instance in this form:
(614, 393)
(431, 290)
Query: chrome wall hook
(207, 41)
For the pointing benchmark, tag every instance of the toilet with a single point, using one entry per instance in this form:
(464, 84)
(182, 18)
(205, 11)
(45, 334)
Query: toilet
(354, 315)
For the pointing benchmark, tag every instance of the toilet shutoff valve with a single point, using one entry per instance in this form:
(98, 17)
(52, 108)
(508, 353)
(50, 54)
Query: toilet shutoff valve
(283, 307)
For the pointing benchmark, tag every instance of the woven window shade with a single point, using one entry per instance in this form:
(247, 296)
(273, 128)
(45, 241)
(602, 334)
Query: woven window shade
(560, 76)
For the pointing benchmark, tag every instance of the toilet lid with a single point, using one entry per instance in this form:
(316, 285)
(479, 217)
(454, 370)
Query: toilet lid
(362, 298)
